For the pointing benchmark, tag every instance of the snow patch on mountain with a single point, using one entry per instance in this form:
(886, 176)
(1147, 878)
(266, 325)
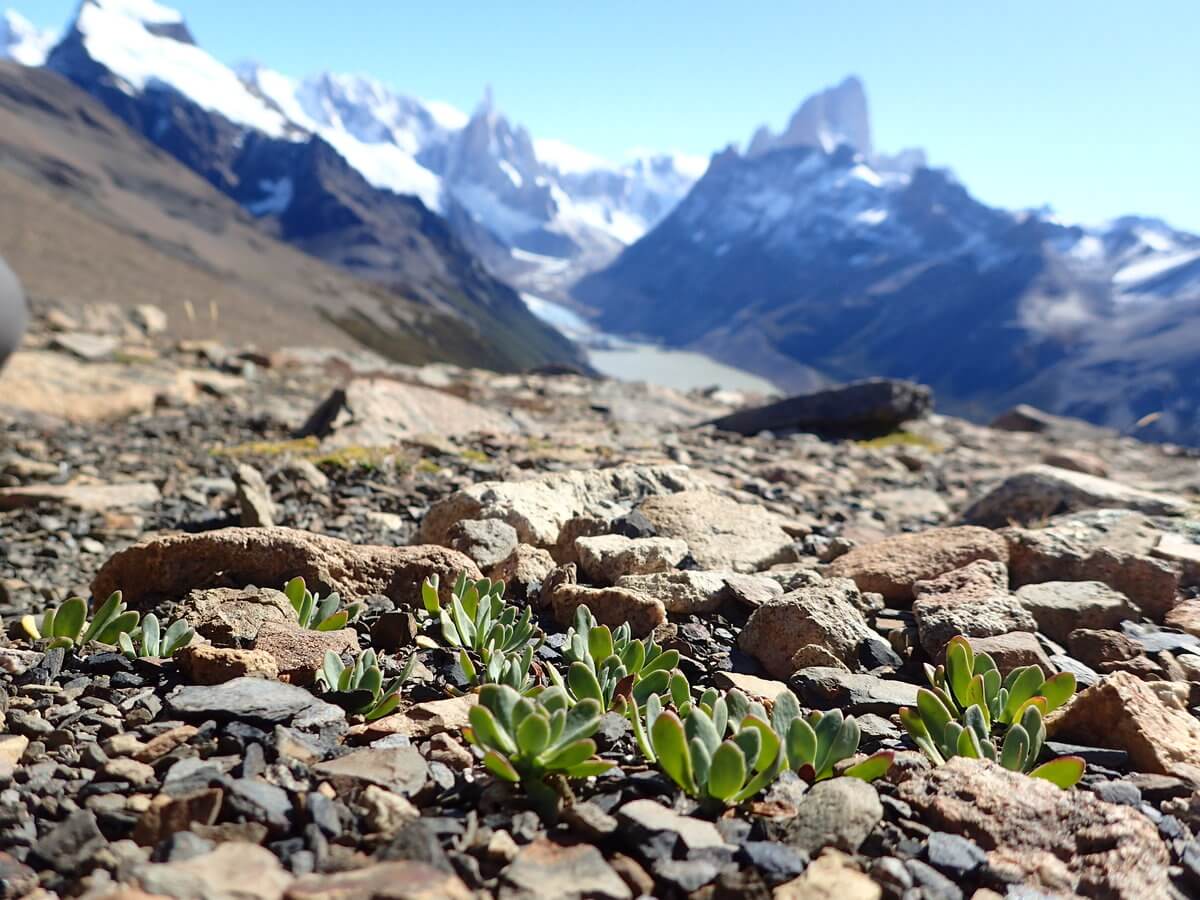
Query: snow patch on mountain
(22, 41)
(124, 37)
(566, 159)
(377, 132)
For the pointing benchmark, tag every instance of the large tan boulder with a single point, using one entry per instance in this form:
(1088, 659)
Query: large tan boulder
(380, 412)
(1054, 554)
(892, 566)
(1035, 833)
(169, 566)
(720, 532)
(820, 622)
(1038, 492)
(540, 507)
(1125, 713)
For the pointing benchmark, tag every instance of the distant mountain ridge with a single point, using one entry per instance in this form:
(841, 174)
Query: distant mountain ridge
(140, 60)
(809, 256)
(809, 265)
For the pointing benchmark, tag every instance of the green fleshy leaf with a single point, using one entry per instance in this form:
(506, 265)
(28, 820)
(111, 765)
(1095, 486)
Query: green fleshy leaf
(784, 712)
(429, 595)
(151, 635)
(487, 732)
(295, 591)
(126, 645)
(583, 683)
(68, 621)
(533, 734)
(571, 755)
(769, 743)
(499, 766)
(30, 627)
(960, 666)
(933, 712)
(582, 721)
(727, 772)
(127, 621)
(670, 745)
(384, 707)
(108, 611)
(1065, 771)
(875, 766)
(698, 725)
(801, 744)
(1058, 690)
(1024, 685)
(919, 732)
(336, 622)
(1015, 750)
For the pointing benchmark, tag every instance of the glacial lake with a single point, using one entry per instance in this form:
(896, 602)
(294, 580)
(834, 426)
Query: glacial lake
(629, 360)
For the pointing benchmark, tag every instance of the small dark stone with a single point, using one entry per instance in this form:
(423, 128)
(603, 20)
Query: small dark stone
(1093, 756)
(323, 812)
(257, 699)
(1121, 792)
(71, 843)
(933, 884)
(393, 630)
(107, 663)
(777, 862)
(686, 874)
(254, 762)
(878, 654)
(46, 670)
(734, 831)
(589, 819)
(181, 846)
(418, 841)
(259, 801)
(954, 854)
(27, 724)
(634, 525)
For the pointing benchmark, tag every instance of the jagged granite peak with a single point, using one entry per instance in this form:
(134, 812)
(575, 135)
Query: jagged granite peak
(808, 266)
(23, 42)
(491, 160)
(836, 115)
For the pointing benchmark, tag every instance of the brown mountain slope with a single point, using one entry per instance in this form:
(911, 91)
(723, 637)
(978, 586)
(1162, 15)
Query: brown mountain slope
(90, 212)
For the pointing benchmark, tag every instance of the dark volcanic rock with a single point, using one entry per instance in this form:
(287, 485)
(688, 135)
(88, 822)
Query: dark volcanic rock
(252, 698)
(867, 408)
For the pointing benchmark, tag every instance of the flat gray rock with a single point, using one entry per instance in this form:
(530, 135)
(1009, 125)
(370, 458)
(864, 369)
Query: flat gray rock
(252, 698)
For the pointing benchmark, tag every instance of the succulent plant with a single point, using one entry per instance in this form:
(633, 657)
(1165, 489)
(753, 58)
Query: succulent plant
(514, 669)
(316, 612)
(694, 753)
(362, 683)
(972, 679)
(526, 740)
(68, 627)
(606, 665)
(969, 704)
(816, 744)
(151, 642)
(478, 619)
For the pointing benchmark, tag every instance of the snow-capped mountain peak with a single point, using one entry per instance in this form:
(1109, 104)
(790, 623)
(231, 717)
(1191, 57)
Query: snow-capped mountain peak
(143, 45)
(22, 41)
(836, 115)
(379, 132)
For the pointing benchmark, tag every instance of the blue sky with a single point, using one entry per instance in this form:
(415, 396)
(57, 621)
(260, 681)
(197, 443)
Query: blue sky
(1091, 107)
